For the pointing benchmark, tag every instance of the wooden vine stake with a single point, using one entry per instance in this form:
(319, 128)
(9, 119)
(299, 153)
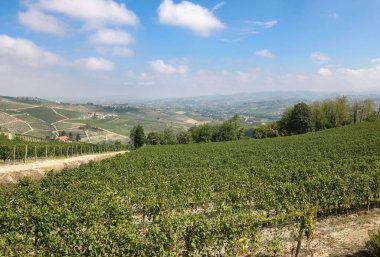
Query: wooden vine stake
(302, 228)
(26, 153)
(35, 153)
(14, 154)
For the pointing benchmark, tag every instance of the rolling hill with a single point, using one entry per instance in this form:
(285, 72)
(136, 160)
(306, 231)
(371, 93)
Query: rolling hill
(197, 199)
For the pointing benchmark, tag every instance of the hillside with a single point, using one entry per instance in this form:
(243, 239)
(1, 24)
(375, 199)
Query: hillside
(193, 199)
(95, 123)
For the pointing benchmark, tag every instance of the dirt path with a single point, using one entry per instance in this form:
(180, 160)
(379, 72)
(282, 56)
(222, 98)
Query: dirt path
(344, 235)
(338, 236)
(12, 173)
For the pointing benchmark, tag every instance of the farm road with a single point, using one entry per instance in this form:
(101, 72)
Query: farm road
(10, 174)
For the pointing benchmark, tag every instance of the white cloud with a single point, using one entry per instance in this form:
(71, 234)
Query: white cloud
(23, 51)
(263, 24)
(265, 53)
(112, 37)
(376, 60)
(98, 11)
(324, 72)
(116, 51)
(189, 15)
(96, 64)
(159, 66)
(38, 21)
(218, 6)
(319, 57)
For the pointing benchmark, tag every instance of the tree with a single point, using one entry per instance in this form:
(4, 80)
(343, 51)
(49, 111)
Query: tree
(231, 129)
(300, 120)
(369, 109)
(137, 136)
(356, 108)
(341, 111)
(283, 123)
(184, 137)
(78, 138)
(202, 133)
(154, 138)
(169, 136)
(71, 136)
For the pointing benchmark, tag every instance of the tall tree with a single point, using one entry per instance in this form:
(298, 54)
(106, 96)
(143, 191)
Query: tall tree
(300, 119)
(169, 136)
(137, 136)
(369, 109)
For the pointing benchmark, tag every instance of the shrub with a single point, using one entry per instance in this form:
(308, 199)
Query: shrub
(373, 245)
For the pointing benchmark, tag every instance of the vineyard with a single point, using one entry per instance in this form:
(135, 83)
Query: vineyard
(214, 199)
(13, 151)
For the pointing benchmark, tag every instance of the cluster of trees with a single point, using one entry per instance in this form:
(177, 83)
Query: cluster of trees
(319, 115)
(231, 129)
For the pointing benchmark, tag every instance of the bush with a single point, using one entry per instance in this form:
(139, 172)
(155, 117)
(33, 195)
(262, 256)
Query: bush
(373, 245)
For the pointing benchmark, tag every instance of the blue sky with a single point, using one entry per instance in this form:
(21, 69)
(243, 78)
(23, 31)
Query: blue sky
(171, 48)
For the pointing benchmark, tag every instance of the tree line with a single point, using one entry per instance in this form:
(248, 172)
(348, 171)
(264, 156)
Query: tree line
(319, 115)
(298, 119)
(231, 129)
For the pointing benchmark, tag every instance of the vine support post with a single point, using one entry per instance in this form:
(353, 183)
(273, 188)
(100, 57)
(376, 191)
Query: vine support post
(26, 153)
(54, 152)
(35, 153)
(46, 152)
(14, 154)
(302, 228)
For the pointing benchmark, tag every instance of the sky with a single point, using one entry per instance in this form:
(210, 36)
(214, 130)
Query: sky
(170, 48)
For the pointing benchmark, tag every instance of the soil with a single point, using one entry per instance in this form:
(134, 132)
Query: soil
(334, 236)
(10, 174)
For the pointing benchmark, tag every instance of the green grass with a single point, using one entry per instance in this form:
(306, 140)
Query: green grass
(69, 113)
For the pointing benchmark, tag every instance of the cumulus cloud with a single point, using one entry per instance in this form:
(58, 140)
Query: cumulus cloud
(98, 11)
(265, 53)
(24, 51)
(190, 16)
(38, 21)
(324, 72)
(95, 64)
(112, 37)
(319, 57)
(159, 66)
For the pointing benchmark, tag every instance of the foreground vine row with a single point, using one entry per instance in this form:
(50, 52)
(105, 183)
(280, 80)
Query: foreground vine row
(193, 200)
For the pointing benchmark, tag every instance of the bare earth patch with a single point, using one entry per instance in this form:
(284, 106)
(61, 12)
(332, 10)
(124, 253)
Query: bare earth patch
(10, 174)
(344, 235)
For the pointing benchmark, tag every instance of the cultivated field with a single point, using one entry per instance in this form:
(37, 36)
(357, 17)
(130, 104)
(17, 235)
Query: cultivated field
(191, 200)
